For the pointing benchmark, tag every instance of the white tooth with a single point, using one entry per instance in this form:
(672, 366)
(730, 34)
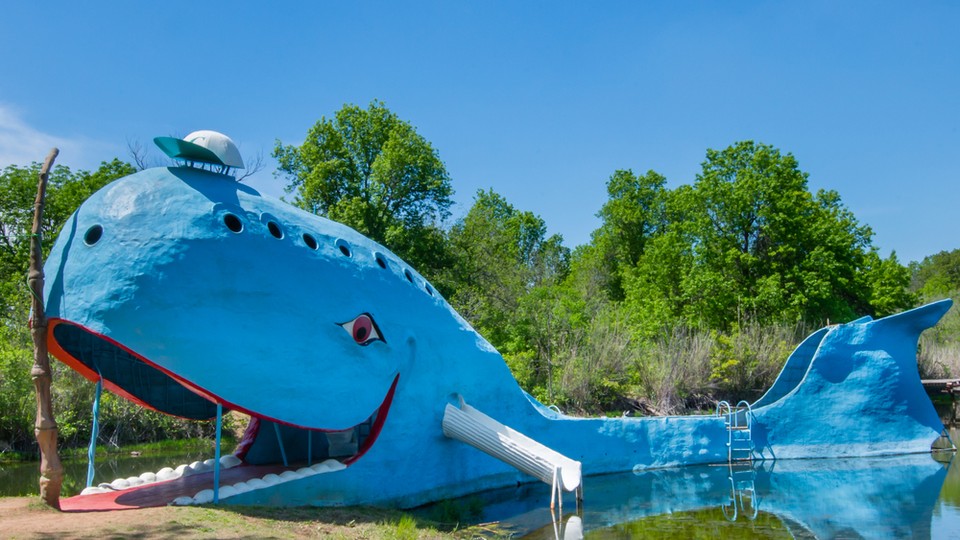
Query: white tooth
(334, 465)
(182, 501)
(148, 477)
(167, 473)
(306, 471)
(134, 481)
(182, 470)
(289, 475)
(203, 497)
(196, 465)
(208, 463)
(93, 490)
(229, 461)
(272, 479)
(227, 491)
(329, 465)
(257, 483)
(120, 483)
(242, 487)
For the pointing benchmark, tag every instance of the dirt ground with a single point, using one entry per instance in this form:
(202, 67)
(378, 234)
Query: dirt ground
(25, 517)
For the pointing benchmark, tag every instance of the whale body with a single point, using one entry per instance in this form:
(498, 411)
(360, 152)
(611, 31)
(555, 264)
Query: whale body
(182, 289)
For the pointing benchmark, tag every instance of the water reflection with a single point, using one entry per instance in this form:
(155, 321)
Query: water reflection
(21, 479)
(888, 497)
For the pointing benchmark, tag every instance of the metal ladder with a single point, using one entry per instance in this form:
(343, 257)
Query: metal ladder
(739, 435)
(743, 494)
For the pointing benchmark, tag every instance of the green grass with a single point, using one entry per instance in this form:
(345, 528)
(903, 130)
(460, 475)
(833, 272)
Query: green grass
(346, 522)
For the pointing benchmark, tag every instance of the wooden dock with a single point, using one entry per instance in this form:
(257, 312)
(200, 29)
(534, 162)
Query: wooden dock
(949, 386)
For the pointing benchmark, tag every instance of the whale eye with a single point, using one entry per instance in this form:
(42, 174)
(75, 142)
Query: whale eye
(363, 330)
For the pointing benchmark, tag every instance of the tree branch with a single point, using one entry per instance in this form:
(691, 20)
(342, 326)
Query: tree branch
(252, 166)
(51, 470)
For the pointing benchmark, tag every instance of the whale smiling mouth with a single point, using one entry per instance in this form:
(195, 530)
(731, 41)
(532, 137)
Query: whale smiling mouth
(130, 375)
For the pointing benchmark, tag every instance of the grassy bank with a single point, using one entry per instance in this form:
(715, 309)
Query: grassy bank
(25, 518)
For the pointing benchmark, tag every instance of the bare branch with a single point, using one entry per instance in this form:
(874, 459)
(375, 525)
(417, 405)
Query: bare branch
(252, 166)
(138, 153)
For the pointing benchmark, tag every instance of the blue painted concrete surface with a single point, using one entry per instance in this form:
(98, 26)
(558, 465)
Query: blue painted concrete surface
(198, 291)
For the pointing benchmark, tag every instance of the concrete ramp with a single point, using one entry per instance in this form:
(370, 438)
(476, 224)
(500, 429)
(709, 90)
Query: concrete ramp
(468, 425)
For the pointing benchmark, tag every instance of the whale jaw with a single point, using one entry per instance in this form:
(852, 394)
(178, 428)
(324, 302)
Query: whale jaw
(136, 378)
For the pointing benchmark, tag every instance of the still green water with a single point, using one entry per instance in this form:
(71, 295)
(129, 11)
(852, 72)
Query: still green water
(20, 479)
(914, 496)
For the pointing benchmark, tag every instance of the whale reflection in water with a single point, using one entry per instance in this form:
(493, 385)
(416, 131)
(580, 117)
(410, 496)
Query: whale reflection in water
(880, 497)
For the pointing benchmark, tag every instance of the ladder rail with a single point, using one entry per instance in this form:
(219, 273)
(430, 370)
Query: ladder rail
(737, 420)
(724, 411)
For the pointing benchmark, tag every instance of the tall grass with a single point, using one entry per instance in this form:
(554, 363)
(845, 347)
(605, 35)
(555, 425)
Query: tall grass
(682, 369)
(939, 353)
(690, 369)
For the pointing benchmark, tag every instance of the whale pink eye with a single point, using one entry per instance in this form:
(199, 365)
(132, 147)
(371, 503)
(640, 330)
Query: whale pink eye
(362, 329)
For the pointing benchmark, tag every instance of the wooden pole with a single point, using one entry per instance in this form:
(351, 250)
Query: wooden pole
(51, 470)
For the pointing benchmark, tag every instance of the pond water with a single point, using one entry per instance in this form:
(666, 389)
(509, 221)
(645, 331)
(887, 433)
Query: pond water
(892, 497)
(20, 479)
(914, 496)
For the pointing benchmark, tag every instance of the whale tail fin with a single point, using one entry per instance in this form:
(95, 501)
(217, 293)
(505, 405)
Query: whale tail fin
(860, 393)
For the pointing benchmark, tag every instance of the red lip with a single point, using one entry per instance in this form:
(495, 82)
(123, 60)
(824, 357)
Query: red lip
(72, 354)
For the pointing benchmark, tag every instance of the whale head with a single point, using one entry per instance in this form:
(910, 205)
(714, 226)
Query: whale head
(181, 289)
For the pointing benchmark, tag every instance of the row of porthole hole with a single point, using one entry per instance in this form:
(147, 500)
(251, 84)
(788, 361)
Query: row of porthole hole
(235, 225)
(94, 233)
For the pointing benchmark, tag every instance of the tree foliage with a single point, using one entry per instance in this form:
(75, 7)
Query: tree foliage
(748, 241)
(371, 170)
(122, 421)
(936, 276)
(683, 295)
(65, 191)
(634, 213)
(501, 255)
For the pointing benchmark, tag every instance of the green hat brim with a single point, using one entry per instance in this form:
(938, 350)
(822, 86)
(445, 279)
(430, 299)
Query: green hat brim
(181, 149)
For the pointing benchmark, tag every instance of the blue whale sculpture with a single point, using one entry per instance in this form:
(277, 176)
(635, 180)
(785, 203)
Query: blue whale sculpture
(182, 289)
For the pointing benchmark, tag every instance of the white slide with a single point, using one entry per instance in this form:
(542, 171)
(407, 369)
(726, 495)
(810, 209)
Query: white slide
(471, 426)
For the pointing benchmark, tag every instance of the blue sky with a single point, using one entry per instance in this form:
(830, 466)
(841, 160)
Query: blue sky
(540, 101)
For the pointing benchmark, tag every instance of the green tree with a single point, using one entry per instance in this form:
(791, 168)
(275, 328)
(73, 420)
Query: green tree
(501, 255)
(889, 283)
(66, 190)
(748, 242)
(634, 213)
(753, 233)
(18, 190)
(937, 276)
(371, 170)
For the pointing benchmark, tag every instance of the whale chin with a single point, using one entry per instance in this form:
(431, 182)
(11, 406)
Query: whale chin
(130, 375)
